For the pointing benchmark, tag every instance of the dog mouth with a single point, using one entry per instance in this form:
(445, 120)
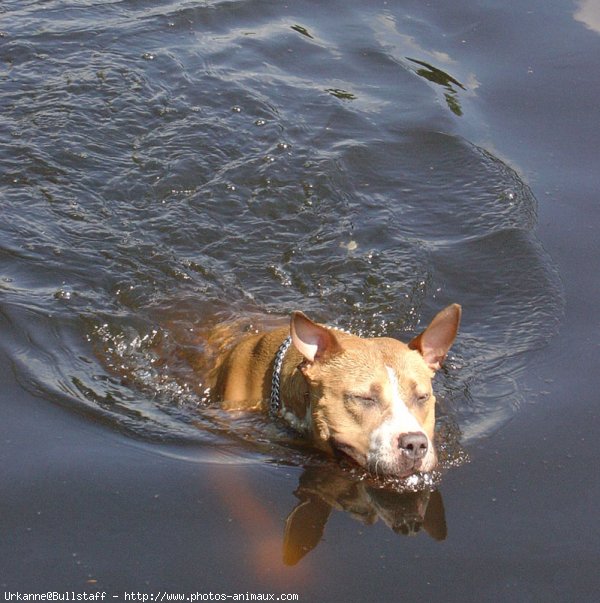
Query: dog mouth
(399, 468)
(344, 451)
(395, 471)
(399, 465)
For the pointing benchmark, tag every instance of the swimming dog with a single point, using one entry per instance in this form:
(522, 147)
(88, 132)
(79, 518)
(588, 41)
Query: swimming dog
(369, 398)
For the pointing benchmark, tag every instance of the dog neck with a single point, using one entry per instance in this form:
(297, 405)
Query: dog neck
(290, 399)
(275, 405)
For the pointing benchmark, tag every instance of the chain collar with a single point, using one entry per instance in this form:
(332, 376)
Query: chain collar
(275, 401)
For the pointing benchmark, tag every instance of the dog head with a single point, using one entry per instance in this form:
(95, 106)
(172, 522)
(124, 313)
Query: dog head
(372, 399)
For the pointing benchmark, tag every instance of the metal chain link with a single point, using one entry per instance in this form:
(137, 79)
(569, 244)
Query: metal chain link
(275, 402)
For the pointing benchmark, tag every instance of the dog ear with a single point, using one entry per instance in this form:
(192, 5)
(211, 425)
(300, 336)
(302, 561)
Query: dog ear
(313, 341)
(435, 517)
(304, 528)
(435, 341)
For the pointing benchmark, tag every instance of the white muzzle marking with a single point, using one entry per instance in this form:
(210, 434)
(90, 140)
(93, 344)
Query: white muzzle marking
(385, 455)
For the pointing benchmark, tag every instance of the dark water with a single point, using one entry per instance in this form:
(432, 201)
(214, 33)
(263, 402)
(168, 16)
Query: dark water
(170, 165)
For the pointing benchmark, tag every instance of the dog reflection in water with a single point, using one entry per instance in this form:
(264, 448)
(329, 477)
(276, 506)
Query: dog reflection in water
(323, 489)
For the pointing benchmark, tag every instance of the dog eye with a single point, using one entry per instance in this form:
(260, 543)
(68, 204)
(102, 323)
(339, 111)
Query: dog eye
(422, 398)
(366, 401)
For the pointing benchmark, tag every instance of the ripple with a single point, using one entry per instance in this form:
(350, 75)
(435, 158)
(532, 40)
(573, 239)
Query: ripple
(251, 168)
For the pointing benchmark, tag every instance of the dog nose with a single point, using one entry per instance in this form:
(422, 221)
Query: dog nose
(413, 445)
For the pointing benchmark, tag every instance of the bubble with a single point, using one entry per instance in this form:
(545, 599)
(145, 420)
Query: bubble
(64, 294)
(350, 245)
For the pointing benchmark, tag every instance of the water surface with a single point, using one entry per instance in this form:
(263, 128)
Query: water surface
(170, 167)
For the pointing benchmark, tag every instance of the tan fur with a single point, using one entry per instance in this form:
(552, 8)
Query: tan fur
(345, 392)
